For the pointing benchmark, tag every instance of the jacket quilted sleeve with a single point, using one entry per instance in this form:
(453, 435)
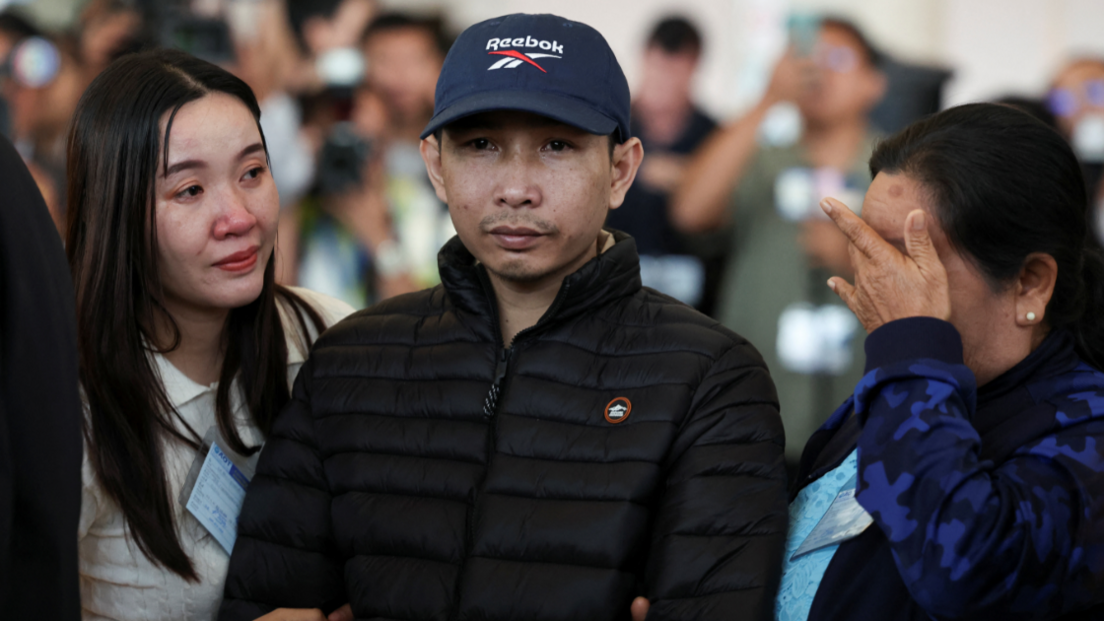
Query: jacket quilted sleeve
(721, 523)
(974, 539)
(285, 556)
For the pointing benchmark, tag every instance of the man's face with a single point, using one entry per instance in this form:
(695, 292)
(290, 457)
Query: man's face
(1078, 91)
(666, 79)
(848, 86)
(403, 65)
(43, 111)
(528, 195)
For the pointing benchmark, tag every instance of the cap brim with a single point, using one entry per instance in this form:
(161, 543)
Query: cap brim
(557, 107)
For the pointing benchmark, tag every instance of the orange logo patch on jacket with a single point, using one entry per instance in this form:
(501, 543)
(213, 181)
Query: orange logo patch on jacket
(618, 410)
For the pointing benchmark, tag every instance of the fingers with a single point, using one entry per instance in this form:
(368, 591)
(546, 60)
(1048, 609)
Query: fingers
(860, 306)
(844, 290)
(810, 71)
(345, 613)
(862, 236)
(294, 614)
(918, 242)
(640, 608)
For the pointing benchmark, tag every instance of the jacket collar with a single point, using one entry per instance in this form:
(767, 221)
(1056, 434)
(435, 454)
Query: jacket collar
(1008, 414)
(1054, 356)
(611, 275)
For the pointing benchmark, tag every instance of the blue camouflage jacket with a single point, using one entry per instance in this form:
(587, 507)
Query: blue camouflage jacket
(987, 504)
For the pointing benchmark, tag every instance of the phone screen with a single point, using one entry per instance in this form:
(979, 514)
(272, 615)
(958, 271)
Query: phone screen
(804, 28)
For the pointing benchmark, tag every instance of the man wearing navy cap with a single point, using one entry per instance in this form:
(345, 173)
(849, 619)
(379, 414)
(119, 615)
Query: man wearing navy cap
(539, 437)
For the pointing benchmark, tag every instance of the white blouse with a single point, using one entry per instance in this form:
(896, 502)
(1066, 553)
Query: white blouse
(117, 581)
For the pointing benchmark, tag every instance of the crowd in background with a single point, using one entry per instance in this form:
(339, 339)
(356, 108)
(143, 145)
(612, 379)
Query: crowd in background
(724, 213)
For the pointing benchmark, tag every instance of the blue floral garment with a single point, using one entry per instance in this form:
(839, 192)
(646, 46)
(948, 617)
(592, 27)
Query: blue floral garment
(1009, 529)
(801, 576)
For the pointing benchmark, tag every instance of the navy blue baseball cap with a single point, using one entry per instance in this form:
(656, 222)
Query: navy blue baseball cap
(543, 64)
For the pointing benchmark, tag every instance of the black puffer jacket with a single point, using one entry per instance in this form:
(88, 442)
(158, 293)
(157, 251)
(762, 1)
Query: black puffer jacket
(424, 472)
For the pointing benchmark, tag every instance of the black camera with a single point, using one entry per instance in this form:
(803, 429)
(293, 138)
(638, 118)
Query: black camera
(341, 161)
(201, 37)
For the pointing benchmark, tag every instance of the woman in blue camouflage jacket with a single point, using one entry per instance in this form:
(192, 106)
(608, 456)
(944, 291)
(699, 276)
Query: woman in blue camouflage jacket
(965, 477)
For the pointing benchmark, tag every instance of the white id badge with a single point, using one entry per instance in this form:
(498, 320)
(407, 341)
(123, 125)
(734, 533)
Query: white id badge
(845, 519)
(220, 482)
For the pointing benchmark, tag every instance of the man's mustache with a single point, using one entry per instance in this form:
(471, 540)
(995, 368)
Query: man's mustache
(544, 227)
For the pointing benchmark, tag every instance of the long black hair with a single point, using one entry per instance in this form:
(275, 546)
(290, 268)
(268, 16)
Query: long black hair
(115, 150)
(1005, 185)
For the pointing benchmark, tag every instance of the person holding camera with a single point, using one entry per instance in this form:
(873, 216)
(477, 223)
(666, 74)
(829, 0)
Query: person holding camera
(374, 230)
(782, 247)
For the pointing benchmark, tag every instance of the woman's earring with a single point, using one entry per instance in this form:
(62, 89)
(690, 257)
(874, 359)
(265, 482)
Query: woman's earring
(1031, 316)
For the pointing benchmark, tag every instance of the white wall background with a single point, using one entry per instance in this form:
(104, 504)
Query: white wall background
(995, 47)
(1015, 45)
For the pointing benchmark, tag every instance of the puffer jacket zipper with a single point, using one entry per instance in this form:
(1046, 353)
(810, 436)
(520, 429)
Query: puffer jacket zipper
(492, 401)
(490, 408)
(494, 394)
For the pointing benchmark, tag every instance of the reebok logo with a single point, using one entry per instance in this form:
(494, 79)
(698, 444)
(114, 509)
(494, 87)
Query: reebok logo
(548, 46)
(618, 410)
(514, 58)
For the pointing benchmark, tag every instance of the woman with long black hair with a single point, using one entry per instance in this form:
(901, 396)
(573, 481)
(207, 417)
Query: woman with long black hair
(965, 477)
(181, 328)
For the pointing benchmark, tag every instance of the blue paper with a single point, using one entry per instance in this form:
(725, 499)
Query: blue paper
(217, 497)
(845, 519)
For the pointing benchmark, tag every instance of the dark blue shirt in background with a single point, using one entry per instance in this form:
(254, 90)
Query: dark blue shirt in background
(644, 212)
